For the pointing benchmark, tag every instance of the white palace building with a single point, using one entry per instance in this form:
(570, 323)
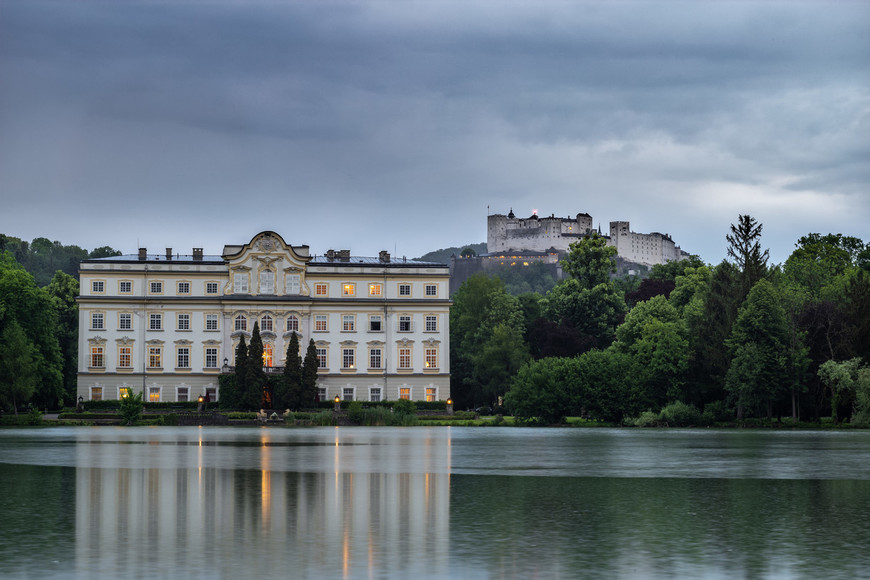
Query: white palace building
(167, 325)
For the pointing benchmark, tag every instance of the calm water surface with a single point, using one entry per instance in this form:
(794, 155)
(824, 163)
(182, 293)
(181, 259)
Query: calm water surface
(433, 503)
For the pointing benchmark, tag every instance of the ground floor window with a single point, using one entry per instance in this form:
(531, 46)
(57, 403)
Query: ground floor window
(124, 392)
(375, 394)
(347, 394)
(404, 392)
(321, 394)
(96, 393)
(154, 394)
(211, 393)
(183, 394)
(430, 394)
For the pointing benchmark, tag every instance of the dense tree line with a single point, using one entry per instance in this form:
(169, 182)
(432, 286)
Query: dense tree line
(738, 339)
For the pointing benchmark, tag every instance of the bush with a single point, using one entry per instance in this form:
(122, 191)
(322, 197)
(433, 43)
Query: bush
(717, 412)
(355, 412)
(241, 416)
(169, 420)
(131, 409)
(324, 419)
(646, 419)
(404, 407)
(679, 414)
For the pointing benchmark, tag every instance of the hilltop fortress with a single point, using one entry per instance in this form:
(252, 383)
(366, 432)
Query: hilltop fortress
(508, 234)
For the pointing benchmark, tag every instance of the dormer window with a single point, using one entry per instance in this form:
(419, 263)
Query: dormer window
(267, 282)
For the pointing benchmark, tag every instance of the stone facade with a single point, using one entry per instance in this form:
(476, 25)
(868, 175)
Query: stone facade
(167, 325)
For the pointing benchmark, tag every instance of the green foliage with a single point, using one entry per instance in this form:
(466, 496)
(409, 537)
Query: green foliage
(590, 261)
(404, 407)
(309, 376)
(354, 412)
(255, 378)
(679, 414)
(745, 249)
(593, 312)
(443, 255)
(645, 419)
(849, 385)
(324, 419)
(288, 394)
(818, 260)
(34, 417)
(537, 277)
(64, 289)
(674, 269)
(169, 420)
(131, 409)
(18, 373)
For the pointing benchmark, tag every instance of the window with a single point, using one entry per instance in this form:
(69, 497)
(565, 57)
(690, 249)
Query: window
(184, 287)
(347, 393)
(294, 283)
(154, 394)
(375, 323)
(240, 283)
(125, 287)
(183, 357)
(211, 358)
(321, 289)
(375, 358)
(184, 321)
(155, 354)
(375, 290)
(404, 323)
(267, 282)
(404, 289)
(266, 323)
(375, 394)
(211, 288)
(404, 358)
(431, 290)
(125, 357)
(348, 289)
(321, 358)
(155, 321)
(96, 393)
(97, 322)
(183, 394)
(124, 392)
(155, 287)
(241, 323)
(405, 393)
(267, 355)
(125, 321)
(348, 323)
(347, 355)
(320, 322)
(431, 358)
(98, 287)
(430, 394)
(321, 394)
(211, 321)
(97, 360)
(431, 323)
(292, 323)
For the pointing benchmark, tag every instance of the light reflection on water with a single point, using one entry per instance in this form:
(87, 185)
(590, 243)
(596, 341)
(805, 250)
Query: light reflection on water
(433, 502)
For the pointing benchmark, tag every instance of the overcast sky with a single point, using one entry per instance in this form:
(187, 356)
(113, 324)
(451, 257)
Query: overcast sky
(398, 125)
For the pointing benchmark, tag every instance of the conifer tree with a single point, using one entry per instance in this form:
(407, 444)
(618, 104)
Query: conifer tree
(290, 388)
(745, 248)
(252, 397)
(237, 396)
(309, 375)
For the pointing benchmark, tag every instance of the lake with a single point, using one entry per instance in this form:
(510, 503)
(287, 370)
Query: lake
(441, 502)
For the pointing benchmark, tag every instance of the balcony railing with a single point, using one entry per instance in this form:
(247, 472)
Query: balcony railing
(268, 370)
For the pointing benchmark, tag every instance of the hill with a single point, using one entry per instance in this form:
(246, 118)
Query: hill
(443, 256)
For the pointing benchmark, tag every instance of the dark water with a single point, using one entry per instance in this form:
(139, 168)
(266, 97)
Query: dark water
(433, 502)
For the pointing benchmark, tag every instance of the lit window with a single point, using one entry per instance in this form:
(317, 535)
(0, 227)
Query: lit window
(124, 392)
(405, 393)
(347, 355)
(430, 394)
(404, 323)
(97, 322)
(347, 394)
(431, 290)
(404, 289)
(267, 282)
(155, 354)
(404, 358)
(375, 323)
(375, 290)
(241, 323)
(294, 283)
(431, 323)
(183, 394)
(348, 289)
(124, 357)
(321, 358)
(292, 323)
(375, 358)
(125, 321)
(321, 289)
(348, 323)
(184, 287)
(211, 358)
(375, 394)
(266, 324)
(97, 360)
(125, 287)
(156, 287)
(431, 358)
(211, 287)
(98, 286)
(211, 321)
(320, 322)
(96, 393)
(184, 322)
(240, 283)
(267, 355)
(154, 394)
(155, 321)
(183, 357)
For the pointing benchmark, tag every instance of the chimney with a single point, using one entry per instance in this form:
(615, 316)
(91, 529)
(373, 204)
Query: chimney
(384, 256)
(197, 254)
(330, 255)
(344, 255)
(168, 253)
(143, 254)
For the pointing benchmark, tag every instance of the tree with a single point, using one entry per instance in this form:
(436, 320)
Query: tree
(593, 312)
(131, 408)
(745, 248)
(64, 289)
(590, 261)
(237, 398)
(498, 360)
(670, 271)
(18, 372)
(290, 391)
(255, 379)
(309, 375)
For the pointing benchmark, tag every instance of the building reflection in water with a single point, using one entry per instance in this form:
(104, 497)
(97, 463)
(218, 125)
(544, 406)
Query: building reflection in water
(263, 503)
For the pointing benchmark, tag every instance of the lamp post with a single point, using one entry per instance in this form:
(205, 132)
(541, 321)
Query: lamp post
(81, 406)
(201, 401)
(449, 406)
(337, 407)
